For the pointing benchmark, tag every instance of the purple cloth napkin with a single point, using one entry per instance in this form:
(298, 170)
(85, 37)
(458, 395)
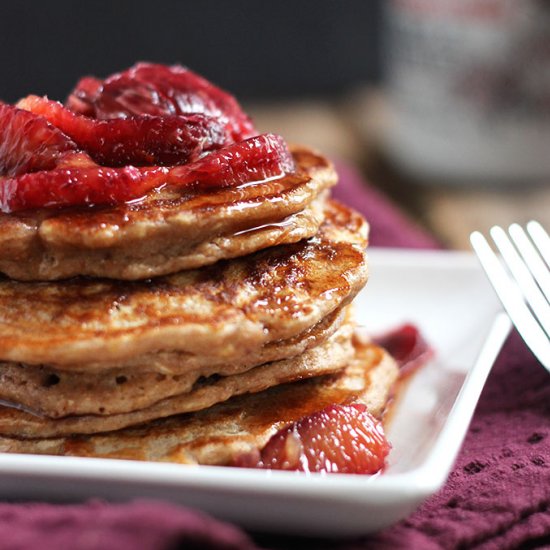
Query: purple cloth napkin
(497, 496)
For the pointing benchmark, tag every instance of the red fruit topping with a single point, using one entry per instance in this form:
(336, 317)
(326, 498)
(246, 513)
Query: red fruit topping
(256, 159)
(139, 141)
(407, 346)
(158, 90)
(84, 95)
(339, 439)
(143, 128)
(259, 158)
(77, 186)
(29, 143)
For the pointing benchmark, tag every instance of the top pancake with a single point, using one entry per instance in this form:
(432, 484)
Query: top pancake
(167, 231)
(221, 312)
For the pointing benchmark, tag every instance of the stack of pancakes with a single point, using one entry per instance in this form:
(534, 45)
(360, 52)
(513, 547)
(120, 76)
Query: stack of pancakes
(186, 327)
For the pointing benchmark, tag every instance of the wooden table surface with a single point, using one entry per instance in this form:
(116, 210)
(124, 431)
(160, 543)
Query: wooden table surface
(349, 129)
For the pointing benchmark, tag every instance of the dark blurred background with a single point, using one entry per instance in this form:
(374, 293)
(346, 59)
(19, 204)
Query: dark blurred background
(257, 50)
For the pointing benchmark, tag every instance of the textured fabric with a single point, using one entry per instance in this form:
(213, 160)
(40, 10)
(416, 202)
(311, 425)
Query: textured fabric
(497, 496)
(140, 525)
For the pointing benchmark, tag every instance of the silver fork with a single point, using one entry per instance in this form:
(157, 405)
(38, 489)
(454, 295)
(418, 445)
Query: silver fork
(521, 279)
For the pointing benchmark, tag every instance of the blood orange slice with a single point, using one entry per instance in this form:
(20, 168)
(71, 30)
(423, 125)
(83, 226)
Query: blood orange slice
(29, 142)
(159, 90)
(259, 158)
(338, 439)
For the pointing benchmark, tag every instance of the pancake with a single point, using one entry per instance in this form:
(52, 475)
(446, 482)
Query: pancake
(330, 356)
(168, 230)
(219, 313)
(242, 424)
(56, 393)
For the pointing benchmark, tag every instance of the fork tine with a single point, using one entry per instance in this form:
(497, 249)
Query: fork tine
(512, 299)
(532, 258)
(533, 296)
(541, 239)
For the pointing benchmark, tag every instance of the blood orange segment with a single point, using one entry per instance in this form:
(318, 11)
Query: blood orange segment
(78, 184)
(338, 439)
(407, 346)
(29, 143)
(259, 158)
(138, 141)
(159, 90)
(82, 98)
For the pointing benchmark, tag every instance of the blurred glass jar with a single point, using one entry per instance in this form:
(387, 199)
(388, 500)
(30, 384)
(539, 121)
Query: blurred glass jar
(468, 84)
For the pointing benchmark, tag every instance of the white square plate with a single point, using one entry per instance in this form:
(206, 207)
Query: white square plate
(448, 297)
